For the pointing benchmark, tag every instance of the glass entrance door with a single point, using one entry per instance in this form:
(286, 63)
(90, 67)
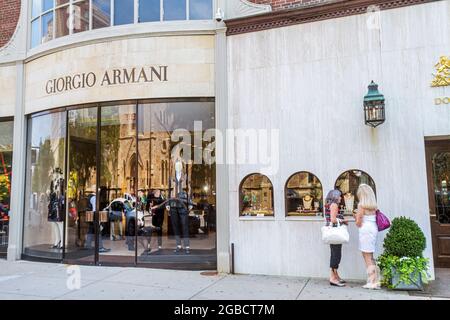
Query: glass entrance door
(117, 188)
(438, 165)
(81, 185)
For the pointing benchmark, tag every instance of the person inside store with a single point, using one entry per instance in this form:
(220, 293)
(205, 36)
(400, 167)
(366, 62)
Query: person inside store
(155, 206)
(179, 215)
(91, 205)
(334, 216)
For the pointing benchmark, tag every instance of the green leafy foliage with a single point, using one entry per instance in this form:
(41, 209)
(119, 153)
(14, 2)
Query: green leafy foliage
(408, 268)
(403, 253)
(404, 239)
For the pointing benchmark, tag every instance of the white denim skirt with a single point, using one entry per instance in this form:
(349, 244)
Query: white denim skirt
(368, 234)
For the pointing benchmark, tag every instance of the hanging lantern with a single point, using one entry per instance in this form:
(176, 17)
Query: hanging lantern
(374, 106)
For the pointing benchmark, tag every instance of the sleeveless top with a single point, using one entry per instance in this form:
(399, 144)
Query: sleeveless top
(339, 216)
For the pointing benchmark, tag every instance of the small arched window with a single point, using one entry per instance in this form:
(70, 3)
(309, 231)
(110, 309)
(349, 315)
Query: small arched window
(256, 196)
(304, 195)
(348, 183)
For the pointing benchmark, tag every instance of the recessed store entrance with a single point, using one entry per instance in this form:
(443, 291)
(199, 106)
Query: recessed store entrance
(438, 169)
(101, 185)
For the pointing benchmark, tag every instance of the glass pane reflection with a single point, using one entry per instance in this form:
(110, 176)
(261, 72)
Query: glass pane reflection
(179, 215)
(101, 14)
(200, 9)
(6, 149)
(174, 10)
(45, 186)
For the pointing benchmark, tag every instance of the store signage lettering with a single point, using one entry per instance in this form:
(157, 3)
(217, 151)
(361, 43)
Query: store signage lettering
(108, 78)
(439, 101)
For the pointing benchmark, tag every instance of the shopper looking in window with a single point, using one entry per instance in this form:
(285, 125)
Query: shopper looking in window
(334, 216)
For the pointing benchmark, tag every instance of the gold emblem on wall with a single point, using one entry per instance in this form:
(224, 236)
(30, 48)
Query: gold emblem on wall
(442, 77)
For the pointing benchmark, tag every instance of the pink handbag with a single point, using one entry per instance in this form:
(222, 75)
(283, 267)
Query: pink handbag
(383, 222)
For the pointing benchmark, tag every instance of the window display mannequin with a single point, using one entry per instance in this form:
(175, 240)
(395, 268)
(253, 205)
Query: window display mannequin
(349, 200)
(56, 212)
(179, 211)
(307, 202)
(179, 215)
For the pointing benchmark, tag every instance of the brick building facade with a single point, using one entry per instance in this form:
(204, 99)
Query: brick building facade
(289, 4)
(9, 16)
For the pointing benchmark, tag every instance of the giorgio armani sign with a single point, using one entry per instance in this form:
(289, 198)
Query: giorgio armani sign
(107, 78)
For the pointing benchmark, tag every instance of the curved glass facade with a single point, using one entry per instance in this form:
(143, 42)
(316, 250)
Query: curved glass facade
(54, 19)
(104, 185)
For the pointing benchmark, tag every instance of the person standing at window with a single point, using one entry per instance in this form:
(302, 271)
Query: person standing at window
(368, 231)
(333, 216)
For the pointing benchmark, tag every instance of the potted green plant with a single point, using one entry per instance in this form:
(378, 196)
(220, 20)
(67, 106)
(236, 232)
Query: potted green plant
(402, 264)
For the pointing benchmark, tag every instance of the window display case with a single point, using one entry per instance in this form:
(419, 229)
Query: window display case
(348, 184)
(256, 196)
(304, 195)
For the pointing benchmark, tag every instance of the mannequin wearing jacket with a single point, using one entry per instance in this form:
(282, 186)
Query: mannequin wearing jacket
(156, 199)
(55, 214)
(179, 215)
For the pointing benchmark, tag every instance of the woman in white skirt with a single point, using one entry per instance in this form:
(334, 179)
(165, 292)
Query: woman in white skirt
(368, 232)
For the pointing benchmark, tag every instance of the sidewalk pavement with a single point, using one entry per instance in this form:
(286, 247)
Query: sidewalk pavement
(32, 280)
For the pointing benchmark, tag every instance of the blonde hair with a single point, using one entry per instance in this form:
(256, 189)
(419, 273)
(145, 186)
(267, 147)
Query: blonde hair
(366, 197)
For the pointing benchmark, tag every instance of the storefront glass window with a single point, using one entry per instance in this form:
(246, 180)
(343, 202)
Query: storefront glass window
(81, 16)
(45, 186)
(304, 195)
(36, 8)
(348, 184)
(61, 2)
(123, 12)
(35, 33)
(137, 191)
(6, 149)
(78, 14)
(200, 9)
(149, 10)
(118, 164)
(47, 5)
(81, 184)
(174, 10)
(188, 219)
(256, 196)
(61, 21)
(47, 27)
(101, 13)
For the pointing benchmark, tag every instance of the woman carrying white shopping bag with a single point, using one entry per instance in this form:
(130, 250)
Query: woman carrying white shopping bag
(335, 233)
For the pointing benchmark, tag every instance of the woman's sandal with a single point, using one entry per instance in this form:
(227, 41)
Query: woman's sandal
(338, 284)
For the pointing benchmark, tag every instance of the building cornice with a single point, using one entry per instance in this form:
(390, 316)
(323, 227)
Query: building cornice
(331, 10)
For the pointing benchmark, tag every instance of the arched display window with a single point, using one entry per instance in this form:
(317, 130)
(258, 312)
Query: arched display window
(348, 183)
(256, 196)
(304, 195)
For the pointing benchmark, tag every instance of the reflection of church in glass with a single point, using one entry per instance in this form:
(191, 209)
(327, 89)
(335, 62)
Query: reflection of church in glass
(154, 167)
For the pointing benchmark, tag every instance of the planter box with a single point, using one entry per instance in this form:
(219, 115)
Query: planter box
(415, 285)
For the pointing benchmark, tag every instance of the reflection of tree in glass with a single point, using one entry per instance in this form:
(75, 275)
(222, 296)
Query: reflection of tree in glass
(43, 169)
(4, 188)
(110, 143)
(82, 160)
